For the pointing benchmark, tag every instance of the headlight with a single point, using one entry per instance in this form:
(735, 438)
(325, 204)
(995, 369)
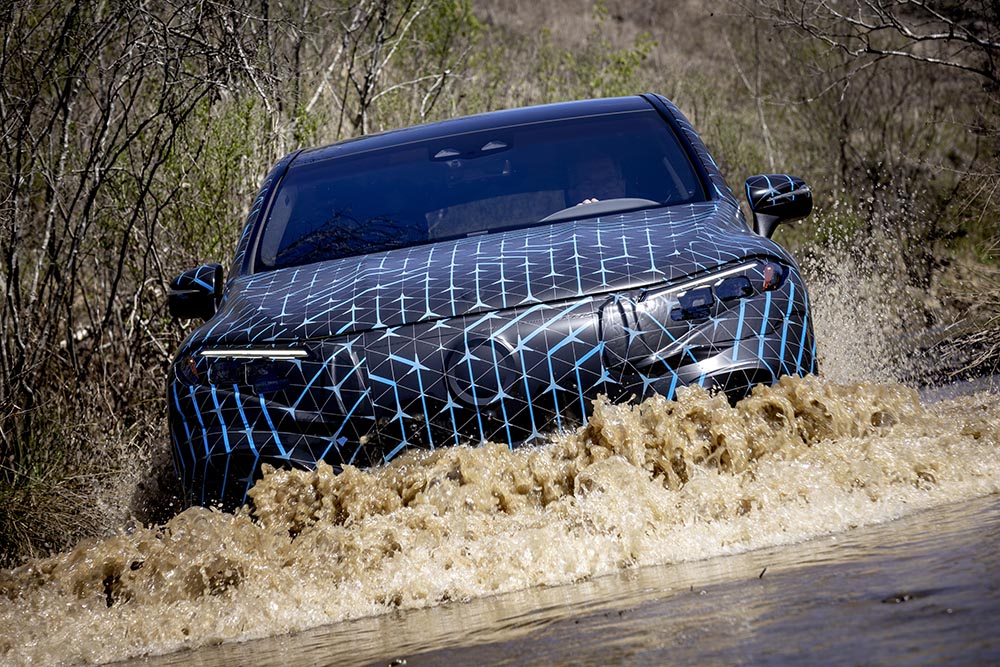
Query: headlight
(696, 299)
(253, 353)
(657, 323)
(264, 369)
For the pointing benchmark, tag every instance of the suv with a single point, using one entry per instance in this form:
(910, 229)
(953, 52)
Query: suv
(482, 278)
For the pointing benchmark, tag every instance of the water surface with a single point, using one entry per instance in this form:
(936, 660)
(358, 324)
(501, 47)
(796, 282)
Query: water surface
(509, 551)
(924, 589)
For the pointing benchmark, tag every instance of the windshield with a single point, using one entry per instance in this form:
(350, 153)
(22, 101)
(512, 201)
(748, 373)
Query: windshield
(473, 183)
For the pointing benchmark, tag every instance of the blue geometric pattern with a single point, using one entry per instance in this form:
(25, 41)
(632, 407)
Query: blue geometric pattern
(502, 337)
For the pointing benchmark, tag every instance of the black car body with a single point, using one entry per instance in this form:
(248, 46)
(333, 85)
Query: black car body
(444, 284)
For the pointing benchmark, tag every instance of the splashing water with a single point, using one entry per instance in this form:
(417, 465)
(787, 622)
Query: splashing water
(641, 484)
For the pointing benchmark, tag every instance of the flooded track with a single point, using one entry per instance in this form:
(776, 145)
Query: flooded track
(920, 590)
(639, 487)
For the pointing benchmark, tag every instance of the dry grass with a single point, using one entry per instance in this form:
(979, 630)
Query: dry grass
(89, 473)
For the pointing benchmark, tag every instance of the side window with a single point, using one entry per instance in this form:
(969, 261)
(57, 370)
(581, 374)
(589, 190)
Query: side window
(281, 213)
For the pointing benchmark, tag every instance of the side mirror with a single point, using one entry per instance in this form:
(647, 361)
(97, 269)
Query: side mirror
(195, 294)
(777, 198)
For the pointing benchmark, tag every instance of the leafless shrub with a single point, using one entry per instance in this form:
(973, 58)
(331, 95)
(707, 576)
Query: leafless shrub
(962, 35)
(906, 91)
(132, 136)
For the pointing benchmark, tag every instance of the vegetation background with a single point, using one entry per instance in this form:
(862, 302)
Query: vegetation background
(135, 134)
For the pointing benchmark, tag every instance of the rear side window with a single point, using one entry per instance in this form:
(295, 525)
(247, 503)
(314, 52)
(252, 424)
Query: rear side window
(468, 184)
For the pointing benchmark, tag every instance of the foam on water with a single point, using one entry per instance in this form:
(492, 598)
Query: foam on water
(640, 484)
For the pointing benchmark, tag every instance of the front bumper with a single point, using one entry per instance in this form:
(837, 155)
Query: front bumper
(510, 376)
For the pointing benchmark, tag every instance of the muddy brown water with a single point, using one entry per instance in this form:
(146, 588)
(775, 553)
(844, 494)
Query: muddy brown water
(639, 539)
(924, 589)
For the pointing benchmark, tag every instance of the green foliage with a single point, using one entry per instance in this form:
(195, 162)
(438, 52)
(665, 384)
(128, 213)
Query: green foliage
(597, 68)
(427, 69)
(208, 180)
(731, 131)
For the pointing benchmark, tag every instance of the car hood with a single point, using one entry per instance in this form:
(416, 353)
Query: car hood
(549, 263)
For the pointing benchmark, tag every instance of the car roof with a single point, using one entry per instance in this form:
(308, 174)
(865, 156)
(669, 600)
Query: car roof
(475, 123)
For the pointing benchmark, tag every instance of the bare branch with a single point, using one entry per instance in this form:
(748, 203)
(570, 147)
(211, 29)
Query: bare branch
(909, 29)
